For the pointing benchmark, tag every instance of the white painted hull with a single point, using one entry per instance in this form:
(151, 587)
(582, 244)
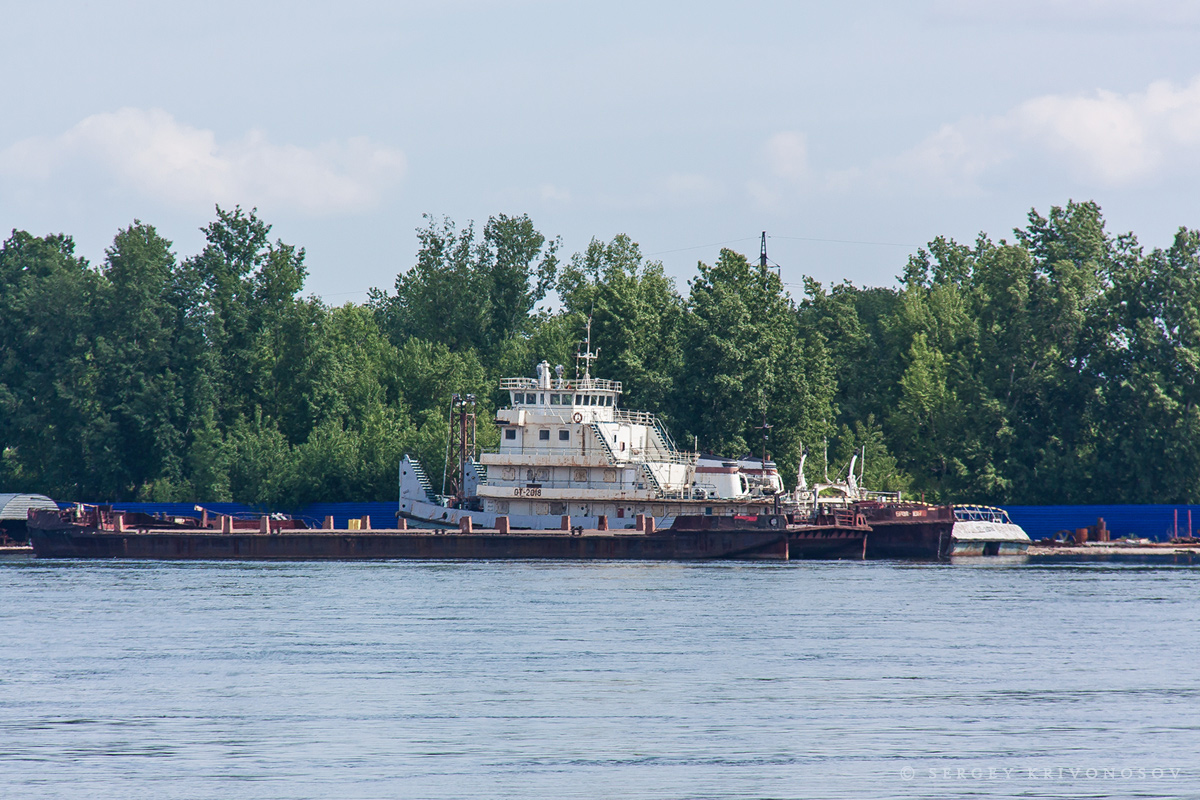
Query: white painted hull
(978, 538)
(440, 516)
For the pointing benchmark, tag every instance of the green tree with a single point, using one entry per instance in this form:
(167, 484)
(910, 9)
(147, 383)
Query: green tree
(54, 433)
(637, 318)
(141, 393)
(745, 360)
(470, 294)
(1146, 398)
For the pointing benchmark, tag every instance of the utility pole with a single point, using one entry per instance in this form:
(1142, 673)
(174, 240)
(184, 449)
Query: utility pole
(462, 440)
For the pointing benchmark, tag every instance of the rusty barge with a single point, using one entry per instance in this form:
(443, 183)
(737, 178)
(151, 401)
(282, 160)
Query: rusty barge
(100, 532)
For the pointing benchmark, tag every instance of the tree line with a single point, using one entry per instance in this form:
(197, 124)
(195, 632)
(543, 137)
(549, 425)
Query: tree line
(1058, 367)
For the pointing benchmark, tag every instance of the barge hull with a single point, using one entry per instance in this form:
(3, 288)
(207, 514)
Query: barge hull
(381, 544)
(908, 530)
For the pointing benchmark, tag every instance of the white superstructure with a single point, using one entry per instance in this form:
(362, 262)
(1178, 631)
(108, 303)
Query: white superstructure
(567, 449)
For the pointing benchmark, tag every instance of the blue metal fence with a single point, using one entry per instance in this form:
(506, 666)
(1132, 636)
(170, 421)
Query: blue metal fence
(1150, 521)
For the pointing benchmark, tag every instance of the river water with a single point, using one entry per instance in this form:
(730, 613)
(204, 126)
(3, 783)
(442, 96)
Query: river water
(597, 680)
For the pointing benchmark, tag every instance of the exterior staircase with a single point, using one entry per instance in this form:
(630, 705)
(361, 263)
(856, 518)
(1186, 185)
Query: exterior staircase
(652, 481)
(422, 478)
(608, 451)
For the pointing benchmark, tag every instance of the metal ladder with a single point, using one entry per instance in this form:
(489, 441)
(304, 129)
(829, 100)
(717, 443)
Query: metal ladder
(612, 457)
(652, 480)
(422, 478)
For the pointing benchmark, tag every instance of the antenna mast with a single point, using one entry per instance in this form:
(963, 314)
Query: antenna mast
(766, 429)
(587, 356)
(762, 254)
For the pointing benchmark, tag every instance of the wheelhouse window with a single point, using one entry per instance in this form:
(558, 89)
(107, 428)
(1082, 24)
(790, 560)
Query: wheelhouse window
(510, 433)
(578, 399)
(564, 436)
(553, 399)
(544, 435)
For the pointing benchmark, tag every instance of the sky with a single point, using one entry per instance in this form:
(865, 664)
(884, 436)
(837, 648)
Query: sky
(851, 132)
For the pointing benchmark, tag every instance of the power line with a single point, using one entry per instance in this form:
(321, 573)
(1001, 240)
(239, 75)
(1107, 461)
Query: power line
(702, 246)
(843, 241)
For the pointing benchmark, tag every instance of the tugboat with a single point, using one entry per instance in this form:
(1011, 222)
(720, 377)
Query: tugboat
(567, 448)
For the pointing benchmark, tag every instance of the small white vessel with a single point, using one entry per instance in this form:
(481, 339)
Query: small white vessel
(986, 531)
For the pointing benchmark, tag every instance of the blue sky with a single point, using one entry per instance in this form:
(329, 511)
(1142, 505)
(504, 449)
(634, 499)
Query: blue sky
(851, 132)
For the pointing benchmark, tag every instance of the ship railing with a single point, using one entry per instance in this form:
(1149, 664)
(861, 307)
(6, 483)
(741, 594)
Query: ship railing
(692, 493)
(664, 457)
(634, 417)
(882, 497)
(628, 458)
(580, 384)
(639, 482)
(973, 513)
(572, 452)
(850, 499)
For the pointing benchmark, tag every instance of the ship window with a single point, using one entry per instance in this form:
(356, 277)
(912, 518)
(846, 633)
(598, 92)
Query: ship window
(608, 400)
(518, 398)
(544, 436)
(564, 436)
(510, 433)
(553, 399)
(542, 399)
(578, 399)
(592, 401)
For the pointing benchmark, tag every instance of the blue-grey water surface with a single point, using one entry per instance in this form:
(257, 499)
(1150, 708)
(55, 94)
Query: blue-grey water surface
(597, 680)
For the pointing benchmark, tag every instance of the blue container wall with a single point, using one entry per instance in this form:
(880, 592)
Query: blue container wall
(1150, 521)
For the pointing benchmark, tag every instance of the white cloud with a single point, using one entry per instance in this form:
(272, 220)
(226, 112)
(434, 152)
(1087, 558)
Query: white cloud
(153, 154)
(1102, 139)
